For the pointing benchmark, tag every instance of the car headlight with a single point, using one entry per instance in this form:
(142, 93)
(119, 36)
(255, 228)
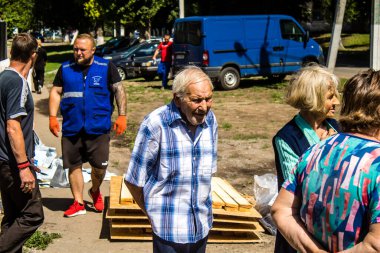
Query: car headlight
(146, 64)
(107, 57)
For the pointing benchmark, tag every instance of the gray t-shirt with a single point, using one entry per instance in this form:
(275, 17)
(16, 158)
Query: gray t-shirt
(15, 101)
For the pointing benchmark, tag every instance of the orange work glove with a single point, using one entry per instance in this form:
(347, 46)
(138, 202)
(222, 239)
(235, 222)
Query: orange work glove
(54, 125)
(120, 124)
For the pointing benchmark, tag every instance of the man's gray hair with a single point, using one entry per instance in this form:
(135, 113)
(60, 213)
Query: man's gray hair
(187, 76)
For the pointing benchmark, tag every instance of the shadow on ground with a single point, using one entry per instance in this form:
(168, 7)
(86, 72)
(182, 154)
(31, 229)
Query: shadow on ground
(61, 204)
(42, 106)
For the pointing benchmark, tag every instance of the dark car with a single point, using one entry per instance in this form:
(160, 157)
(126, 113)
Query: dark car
(122, 58)
(114, 44)
(143, 67)
(38, 35)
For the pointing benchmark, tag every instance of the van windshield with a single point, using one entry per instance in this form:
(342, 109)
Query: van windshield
(188, 33)
(290, 30)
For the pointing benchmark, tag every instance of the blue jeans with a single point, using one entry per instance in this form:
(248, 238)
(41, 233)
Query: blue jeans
(162, 246)
(164, 72)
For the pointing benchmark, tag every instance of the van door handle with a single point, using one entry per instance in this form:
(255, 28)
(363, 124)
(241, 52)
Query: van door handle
(280, 48)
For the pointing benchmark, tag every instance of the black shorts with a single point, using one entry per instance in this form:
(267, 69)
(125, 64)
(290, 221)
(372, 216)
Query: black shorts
(83, 148)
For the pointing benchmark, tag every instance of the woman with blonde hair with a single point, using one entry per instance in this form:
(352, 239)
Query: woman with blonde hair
(313, 91)
(331, 200)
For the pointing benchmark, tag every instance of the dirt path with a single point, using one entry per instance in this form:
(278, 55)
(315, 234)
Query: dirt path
(90, 232)
(247, 117)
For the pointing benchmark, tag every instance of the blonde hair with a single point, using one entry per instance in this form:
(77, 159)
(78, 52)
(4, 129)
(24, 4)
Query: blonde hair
(86, 36)
(307, 88)
(187, 76)
(360, 111)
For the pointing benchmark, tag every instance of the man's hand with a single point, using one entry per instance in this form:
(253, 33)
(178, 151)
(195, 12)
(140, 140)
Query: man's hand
(120, 124)
(28, 182)
(54, 125)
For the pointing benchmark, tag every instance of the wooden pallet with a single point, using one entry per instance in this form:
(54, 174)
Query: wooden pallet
(129, 234)
(235, 219)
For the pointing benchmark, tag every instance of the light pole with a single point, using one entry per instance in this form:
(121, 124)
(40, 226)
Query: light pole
(181, 8)
(335, 36)
(375, 35)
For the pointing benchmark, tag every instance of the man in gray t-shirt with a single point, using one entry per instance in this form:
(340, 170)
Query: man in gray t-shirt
(16, 101)
(21, 197)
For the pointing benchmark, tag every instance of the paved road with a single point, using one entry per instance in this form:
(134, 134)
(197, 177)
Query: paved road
(348, 72)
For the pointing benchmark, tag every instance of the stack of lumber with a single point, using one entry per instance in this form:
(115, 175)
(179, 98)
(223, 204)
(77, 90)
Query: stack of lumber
(235, 219)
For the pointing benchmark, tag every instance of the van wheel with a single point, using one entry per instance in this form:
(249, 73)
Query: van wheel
(229, 78)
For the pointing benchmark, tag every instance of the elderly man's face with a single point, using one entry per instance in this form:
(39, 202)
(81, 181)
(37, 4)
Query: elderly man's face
(83, 51)
(196, 103)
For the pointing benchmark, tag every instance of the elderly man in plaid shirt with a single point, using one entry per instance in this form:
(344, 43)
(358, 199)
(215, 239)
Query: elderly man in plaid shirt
(171, 165)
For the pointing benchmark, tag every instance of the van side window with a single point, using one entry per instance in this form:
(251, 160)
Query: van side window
(290, 30)
(188, 33)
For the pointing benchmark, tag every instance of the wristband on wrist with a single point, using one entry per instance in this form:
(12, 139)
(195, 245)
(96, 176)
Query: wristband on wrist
(23, 165)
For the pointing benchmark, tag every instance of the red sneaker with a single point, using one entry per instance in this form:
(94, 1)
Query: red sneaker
(97, 199)
(74, 210)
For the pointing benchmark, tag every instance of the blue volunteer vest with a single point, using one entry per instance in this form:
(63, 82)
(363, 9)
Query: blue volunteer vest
(86, 103)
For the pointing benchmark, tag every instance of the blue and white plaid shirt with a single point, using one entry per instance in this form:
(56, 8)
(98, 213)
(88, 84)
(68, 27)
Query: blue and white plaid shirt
(175, 171)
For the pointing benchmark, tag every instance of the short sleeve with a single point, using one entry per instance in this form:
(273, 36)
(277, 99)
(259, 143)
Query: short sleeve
(113, 74)
(144, 156)
(16, 97)
(215, 146)
(58, 79)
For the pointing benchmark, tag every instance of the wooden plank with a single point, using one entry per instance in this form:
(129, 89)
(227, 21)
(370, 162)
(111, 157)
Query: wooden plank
(125, 195)
(115, 186)
(115, 190)
(252, 213)
(217, 202)
(214, 237)
(233, 193)
(125, 214)
(233, 237)
(130, 234)
(130, 224)
(229, 202)
(217, 226)
(234, 219)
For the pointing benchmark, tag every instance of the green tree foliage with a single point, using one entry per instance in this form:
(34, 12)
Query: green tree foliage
(17, 14)
(133, 14)
(68, 14)
(93, 10)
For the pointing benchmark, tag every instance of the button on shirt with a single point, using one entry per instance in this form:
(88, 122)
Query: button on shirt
(175, 169)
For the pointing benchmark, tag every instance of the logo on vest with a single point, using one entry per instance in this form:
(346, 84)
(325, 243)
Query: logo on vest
(96, 80)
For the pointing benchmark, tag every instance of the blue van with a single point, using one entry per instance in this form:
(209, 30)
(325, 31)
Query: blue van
(230, 47)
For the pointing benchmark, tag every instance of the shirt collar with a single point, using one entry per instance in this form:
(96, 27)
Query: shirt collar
(175, 115)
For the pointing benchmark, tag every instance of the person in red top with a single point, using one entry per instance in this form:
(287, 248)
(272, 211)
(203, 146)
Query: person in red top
(166, 48)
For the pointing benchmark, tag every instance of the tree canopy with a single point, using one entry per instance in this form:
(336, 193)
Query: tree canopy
(87, 15)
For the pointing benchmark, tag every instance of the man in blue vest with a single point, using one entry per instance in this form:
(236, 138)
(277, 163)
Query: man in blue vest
(84, 89)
